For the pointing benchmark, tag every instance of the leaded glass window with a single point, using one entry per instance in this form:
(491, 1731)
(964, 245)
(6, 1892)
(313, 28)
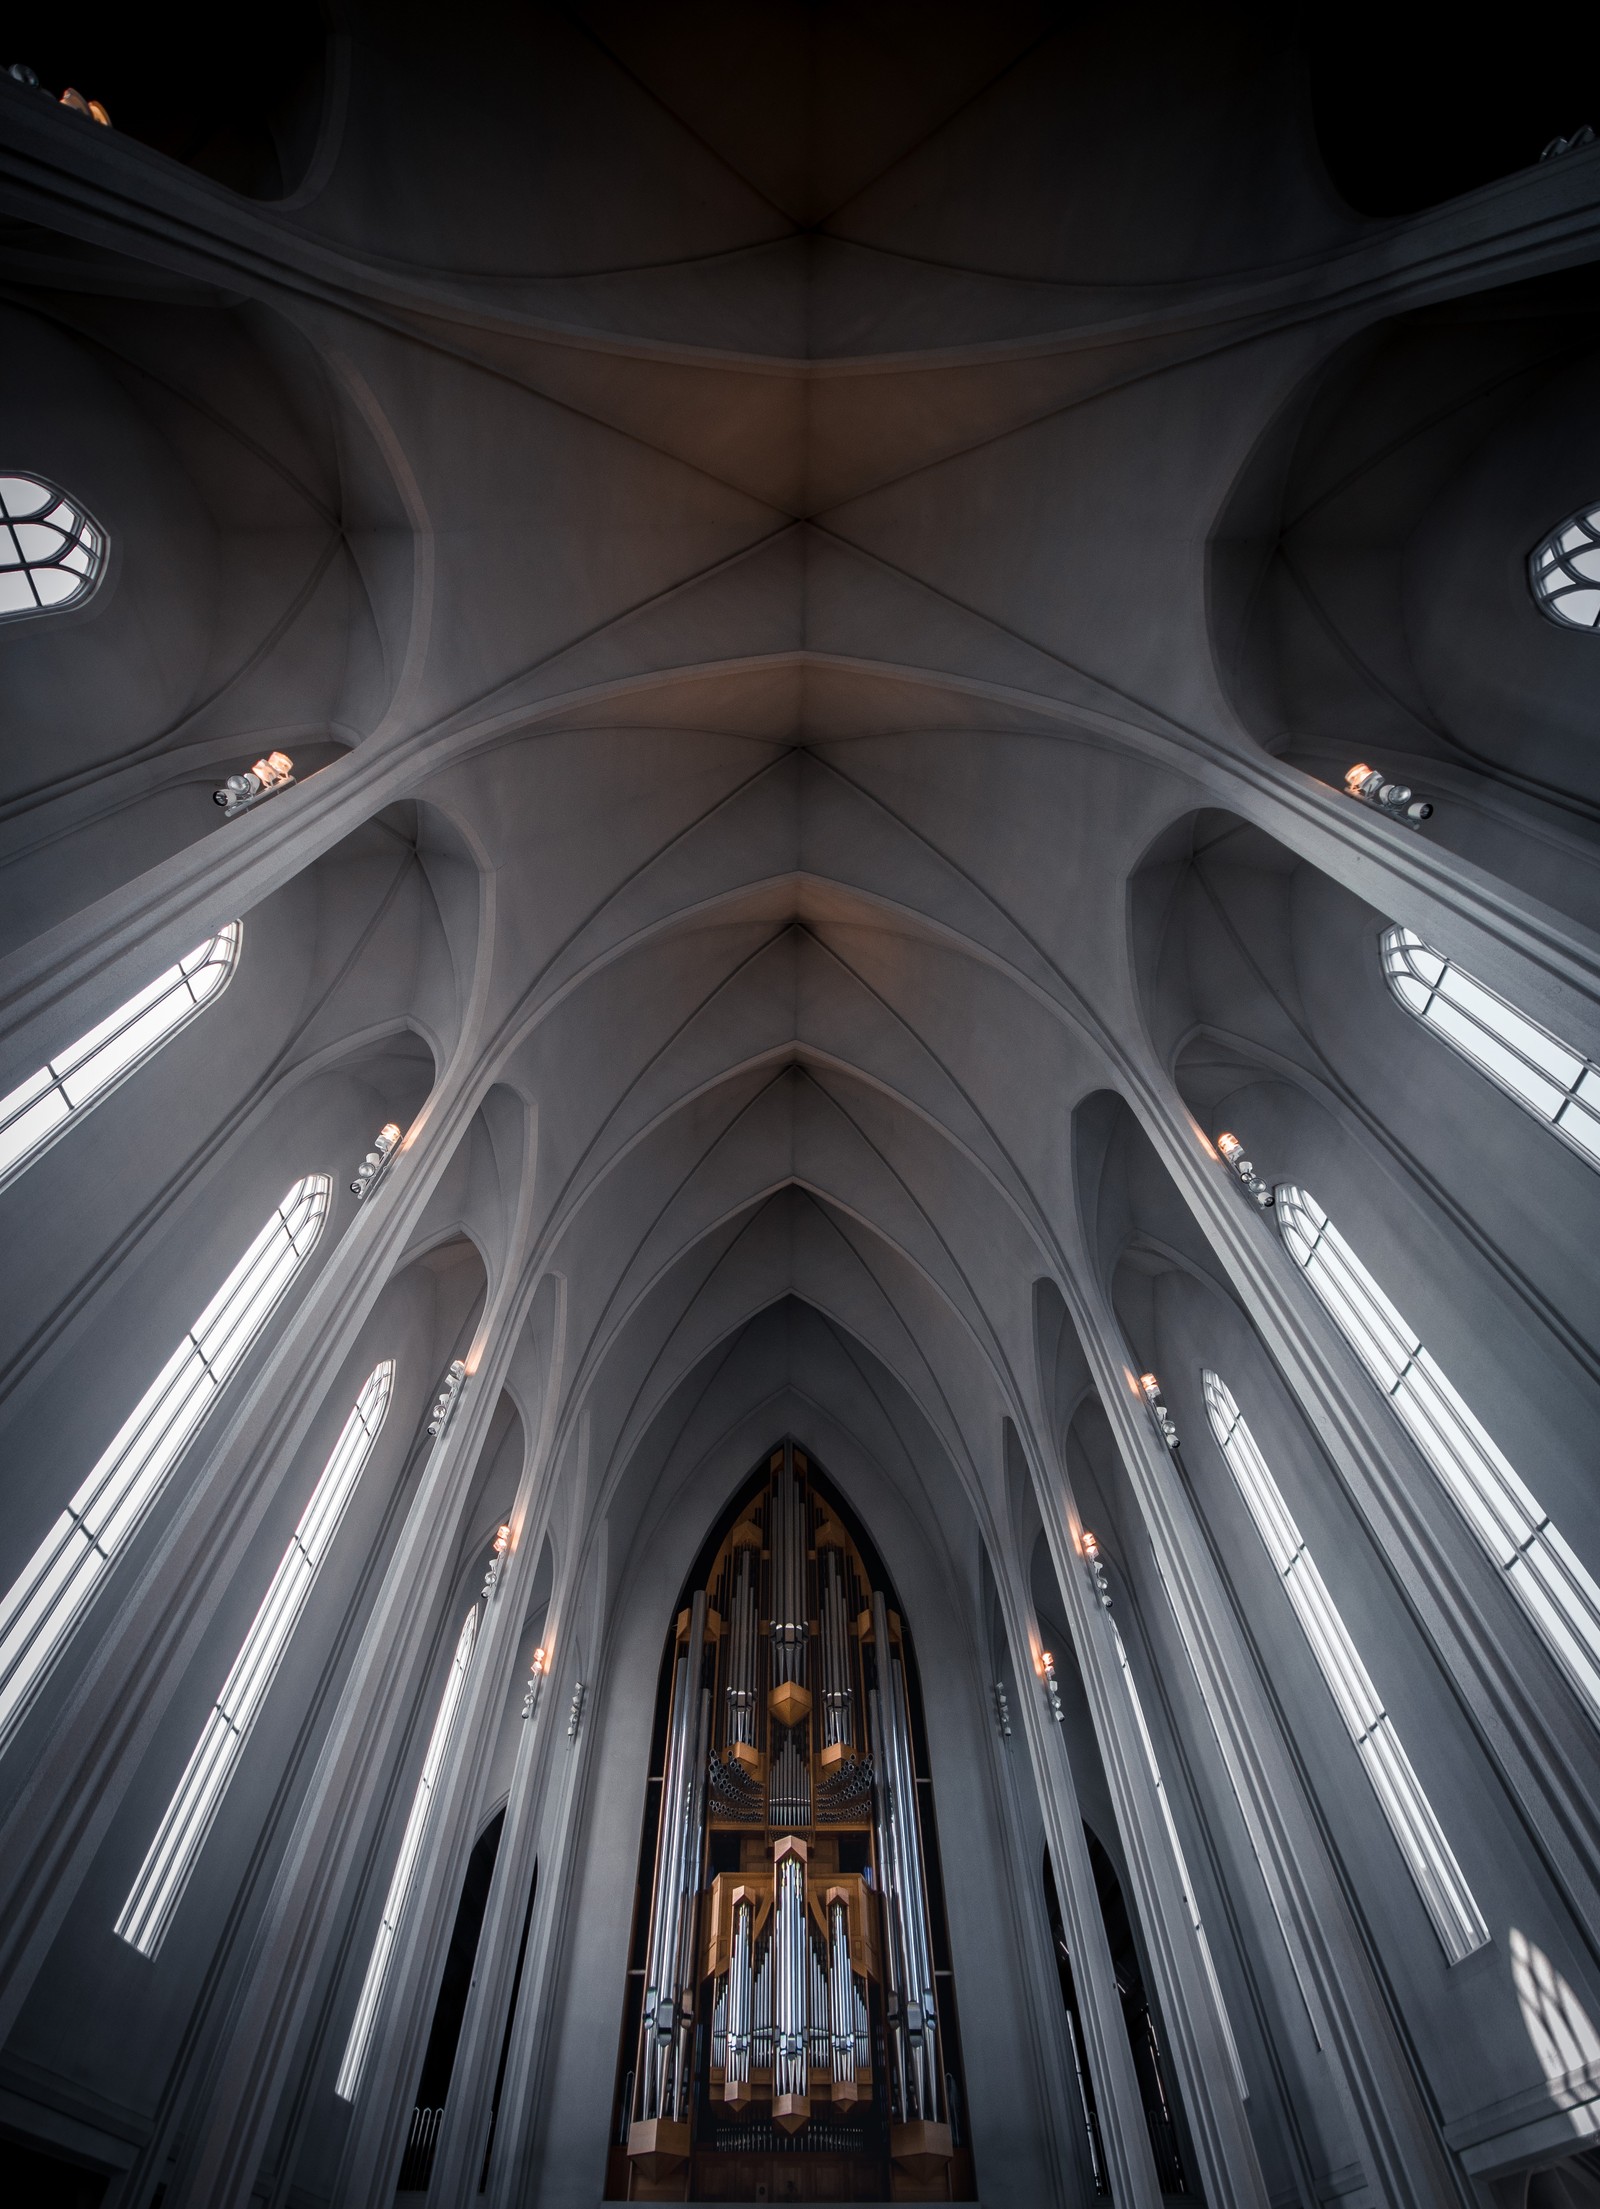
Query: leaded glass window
(172, 1854)
(1546, 1076)
(1564, 571)
(394, 1902)
(1429, 1857)
(1180, 1863)
(1545, 1574)
(43, 1107)
(51, 553)
(57, 1584)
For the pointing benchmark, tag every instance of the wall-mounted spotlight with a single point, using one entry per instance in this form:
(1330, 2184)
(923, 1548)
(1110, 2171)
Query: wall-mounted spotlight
(1233, 1153)
(1002, 1710)
(1047, 1673)
(371, 1167)
(96, 113)
(445, 1402)
(536, 1673)
(1097, 1570)
(273, 772)
(1581, 137)
(1394, 798)
(575, 1710)
(1165, 1426)
(502, 1542)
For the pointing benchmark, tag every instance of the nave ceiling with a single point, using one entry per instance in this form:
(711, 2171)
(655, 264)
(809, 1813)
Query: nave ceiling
(793, 548)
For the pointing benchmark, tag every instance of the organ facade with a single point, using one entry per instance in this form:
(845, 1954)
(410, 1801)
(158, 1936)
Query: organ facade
(790, 2029)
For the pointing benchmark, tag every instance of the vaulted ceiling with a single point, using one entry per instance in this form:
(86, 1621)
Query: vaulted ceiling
(744, 481)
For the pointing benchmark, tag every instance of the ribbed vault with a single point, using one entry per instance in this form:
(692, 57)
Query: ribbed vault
(820, 566)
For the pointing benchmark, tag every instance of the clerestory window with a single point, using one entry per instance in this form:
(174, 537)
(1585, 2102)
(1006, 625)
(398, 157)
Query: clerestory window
(1545, 1574)
(56, 1585)
(1180, 1864)
(394, 1903)
(43, 1108)
(173, 1853)
(1557, 1084)
(1429, 1857)
(1564, 571)
(51, 553)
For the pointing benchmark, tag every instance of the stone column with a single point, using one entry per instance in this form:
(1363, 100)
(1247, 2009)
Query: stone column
(378, 2129)
(255, 2045)
(1405, 2161)
(1523, 1708)
(1125, 2137)
(1230, 2172)
(49, 1837)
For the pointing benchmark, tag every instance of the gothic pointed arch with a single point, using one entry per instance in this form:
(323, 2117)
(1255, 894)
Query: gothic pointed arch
(790, 2025)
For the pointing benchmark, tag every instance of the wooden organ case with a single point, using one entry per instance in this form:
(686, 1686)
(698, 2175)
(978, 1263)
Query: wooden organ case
(790, 2033)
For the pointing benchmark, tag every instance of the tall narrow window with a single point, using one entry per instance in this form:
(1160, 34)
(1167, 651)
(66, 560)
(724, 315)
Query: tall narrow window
(360, 2040)
(1439, 1878)
(1552, 1081)
(42, 1605)
(51, 553)
(1545, 1574)
(49, 1102)
(165, 1872)
(1181, 1863)
(1564, 571)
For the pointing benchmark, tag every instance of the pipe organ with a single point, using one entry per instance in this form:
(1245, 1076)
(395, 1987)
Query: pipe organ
(790, 2034)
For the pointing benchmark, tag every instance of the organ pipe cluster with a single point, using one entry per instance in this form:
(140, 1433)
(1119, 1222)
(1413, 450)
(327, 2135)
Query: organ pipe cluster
(788, 1994)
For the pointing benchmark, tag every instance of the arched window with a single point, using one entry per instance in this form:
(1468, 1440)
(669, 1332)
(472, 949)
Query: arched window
(1429, 1857)
(394, 1902)
(165, 1872)
(1181, 1864)
(1546, 1076)
(1564, 572)
(1546, 1576)
(42, 1108)
(51, 553)
(55, 1586)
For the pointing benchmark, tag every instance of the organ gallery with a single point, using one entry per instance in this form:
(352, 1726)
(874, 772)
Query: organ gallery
(789, 2026)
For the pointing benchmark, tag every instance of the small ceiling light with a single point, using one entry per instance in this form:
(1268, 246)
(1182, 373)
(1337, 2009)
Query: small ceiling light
(371, 1167)
(445, 1402)
(1097, 1570)
(536, 1672)
(1002, 1710)
(1581, 137)
(501, 1543)
(1394, 798)
(1047, 1673)
(80, 106)
(1158, 1410)
(274, 771)
(1233, 1152)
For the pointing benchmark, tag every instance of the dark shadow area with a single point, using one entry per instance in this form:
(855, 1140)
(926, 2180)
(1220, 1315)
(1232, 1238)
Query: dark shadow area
(235, 94)
(450, 2008)
(31, 2179)
(1413, 107)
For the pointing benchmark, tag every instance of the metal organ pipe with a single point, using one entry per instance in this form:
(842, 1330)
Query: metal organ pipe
(841, 1996)
(914, 2017)
(838, 1719)
(788, 1579)
(741, 1990)
(666, 2028)
(818, 2035)
(791, 1947)
(741, 1689)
